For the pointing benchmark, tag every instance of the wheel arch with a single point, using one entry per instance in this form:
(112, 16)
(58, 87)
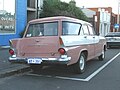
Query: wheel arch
(75, 60)
(105, 47)
(85, 52)
(80, 66)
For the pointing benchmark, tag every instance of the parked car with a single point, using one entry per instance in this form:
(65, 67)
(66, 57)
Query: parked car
(58, 40)
(113, 39)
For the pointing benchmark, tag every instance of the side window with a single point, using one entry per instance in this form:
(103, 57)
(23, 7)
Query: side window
(85, 30)
(70, 28)
(81, 31)
(50, 29)
(91, 30)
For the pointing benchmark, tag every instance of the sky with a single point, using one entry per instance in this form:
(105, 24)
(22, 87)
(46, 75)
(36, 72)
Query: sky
(8, 5)
(97, 3)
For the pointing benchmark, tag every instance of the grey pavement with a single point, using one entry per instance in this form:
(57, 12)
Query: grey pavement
(7, 68)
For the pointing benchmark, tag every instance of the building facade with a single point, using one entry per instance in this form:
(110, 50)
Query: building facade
(34, 7)
(13, 19)
(104, 20)
(91, 16)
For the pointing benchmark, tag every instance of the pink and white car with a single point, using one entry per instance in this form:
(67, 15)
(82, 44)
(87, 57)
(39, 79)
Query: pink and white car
(58, 40)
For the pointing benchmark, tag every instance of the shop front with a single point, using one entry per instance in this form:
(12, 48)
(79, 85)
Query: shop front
(13, 19)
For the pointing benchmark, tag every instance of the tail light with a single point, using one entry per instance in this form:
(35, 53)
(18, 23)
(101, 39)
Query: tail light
(11, 51)
(61, 51)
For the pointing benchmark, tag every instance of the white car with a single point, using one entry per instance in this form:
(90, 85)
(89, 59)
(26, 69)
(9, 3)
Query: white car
(113, 39)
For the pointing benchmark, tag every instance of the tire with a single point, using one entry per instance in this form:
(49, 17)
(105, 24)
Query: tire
(80, 66)
(102, 56)
(35, 67)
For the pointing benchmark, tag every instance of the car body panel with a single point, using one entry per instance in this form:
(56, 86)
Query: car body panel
(113, 39)
(46, 47)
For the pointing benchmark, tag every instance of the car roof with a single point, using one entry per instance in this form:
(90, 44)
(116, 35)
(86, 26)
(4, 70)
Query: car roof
(56, 18)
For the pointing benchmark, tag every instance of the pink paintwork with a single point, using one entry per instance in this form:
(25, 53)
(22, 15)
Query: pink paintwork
(43, 38)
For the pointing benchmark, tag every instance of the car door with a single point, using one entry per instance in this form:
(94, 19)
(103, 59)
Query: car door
(95, 38)
(89, 40)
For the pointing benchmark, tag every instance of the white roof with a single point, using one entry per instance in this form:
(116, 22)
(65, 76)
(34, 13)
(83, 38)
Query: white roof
(89, 13)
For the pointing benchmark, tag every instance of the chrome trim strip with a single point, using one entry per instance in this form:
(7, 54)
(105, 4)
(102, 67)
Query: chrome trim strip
(43, 59)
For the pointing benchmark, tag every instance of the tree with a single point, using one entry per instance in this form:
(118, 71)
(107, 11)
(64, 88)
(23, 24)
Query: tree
(58, 8)
(72, 2)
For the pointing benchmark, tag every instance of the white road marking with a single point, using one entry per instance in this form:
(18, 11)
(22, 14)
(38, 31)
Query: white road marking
(101, 68)
(38, 75)
(79, 79)
(69, 78)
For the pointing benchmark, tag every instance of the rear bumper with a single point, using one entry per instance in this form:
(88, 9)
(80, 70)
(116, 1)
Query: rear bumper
(44, 60)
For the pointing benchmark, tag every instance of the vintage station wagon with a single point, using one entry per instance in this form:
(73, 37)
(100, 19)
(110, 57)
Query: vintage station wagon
(58, 40)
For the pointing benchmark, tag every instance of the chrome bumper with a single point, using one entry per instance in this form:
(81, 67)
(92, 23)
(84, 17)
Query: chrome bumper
(62, 60)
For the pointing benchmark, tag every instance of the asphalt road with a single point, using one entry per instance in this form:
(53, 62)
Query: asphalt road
(99, 75)
(3, 58)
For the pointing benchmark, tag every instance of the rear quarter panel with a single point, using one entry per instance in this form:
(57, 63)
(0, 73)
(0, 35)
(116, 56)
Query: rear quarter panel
(100, 46)
(74, 53)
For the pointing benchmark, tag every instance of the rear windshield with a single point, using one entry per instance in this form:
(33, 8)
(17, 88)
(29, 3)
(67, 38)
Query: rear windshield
(113, 34)
(70, 28)
(42, 29)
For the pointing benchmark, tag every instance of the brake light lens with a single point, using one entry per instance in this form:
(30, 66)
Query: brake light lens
(61, 51)
(11, 51)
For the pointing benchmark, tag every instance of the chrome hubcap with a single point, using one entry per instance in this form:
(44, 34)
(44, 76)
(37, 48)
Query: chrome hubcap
(103, 54)
(82, 63)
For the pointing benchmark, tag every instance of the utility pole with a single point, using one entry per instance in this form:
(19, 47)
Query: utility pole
(118, 17)
(37, 9)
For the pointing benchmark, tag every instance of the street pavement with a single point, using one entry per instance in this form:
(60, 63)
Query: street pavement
(102, 75)
(7, 68)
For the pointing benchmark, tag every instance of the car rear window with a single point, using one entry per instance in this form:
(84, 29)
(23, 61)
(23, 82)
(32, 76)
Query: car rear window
(42, 29)
(70, 28)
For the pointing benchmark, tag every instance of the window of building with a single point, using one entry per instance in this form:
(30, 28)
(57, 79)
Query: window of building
(31, 3)
(7, 17)
(28, 3)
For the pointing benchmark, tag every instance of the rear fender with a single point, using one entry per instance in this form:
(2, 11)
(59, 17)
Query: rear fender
(74, 53)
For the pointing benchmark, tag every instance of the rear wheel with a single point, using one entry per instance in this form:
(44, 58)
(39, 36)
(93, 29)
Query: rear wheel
(35, 67)
(102, 56)
(80, 66)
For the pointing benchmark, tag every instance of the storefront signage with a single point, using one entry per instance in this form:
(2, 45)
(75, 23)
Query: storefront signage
(7, 17)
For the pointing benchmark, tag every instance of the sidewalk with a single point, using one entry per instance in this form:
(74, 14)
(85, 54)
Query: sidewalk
(4, 47)
(8, 69)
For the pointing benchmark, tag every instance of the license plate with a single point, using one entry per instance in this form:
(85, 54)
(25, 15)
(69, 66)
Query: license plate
(34, 60)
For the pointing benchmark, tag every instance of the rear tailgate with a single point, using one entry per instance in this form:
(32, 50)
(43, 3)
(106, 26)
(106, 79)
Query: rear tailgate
(46, 46)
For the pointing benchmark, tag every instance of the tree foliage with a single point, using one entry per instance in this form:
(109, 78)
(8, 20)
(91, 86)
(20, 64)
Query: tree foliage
(58, 8)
